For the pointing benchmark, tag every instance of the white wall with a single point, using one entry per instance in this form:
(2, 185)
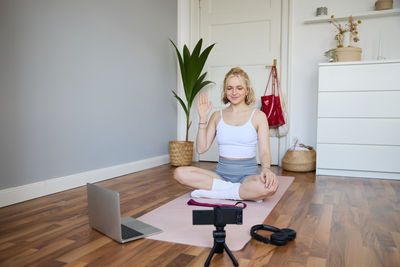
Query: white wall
(310, 41)
(84, 85)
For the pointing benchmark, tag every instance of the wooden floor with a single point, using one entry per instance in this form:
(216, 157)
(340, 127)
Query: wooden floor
(339, 222)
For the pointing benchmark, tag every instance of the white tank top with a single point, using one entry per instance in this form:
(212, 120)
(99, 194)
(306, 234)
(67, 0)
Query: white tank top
(237, 141)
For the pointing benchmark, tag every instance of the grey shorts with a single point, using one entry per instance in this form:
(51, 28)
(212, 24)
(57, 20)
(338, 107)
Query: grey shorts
(236, 171)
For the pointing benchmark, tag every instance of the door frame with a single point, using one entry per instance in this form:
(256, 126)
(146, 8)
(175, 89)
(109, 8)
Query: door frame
(188, 33)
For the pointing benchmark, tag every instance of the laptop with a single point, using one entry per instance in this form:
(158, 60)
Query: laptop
(105, 216)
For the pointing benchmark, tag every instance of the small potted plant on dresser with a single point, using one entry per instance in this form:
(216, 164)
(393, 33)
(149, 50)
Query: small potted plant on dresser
(191, 66)
(344, 38)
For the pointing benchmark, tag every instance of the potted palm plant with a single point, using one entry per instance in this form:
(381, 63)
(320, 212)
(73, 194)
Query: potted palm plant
(191, 66)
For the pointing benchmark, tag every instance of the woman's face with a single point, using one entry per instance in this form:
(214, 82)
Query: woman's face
(236, 90)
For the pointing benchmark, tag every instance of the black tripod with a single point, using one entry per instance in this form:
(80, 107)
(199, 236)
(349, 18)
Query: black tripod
(219, 245)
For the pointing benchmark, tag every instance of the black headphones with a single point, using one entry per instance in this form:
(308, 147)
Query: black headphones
(280, 236)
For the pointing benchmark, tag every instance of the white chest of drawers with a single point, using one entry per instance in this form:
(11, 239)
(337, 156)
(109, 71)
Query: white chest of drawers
(358, 132)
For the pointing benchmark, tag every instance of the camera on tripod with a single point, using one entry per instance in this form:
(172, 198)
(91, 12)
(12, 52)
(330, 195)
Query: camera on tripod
(220, 217)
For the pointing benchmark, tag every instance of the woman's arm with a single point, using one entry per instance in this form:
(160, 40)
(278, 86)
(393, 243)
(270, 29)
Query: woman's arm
(207, 129)
(263, 139)
(267, 176)
(206, 134)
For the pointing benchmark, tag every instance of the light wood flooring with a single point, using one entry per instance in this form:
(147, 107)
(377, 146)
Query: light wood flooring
(339, 222)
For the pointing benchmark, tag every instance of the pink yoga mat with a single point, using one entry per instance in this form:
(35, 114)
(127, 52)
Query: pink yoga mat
(175, 219)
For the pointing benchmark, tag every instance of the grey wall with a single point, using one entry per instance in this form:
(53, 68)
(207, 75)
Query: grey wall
(84, 84)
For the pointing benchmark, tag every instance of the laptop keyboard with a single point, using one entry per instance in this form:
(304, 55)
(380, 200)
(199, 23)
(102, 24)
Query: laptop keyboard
(129, 232)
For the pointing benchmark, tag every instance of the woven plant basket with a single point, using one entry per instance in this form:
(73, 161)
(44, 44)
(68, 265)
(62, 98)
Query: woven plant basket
(299, 160)
(180, 153)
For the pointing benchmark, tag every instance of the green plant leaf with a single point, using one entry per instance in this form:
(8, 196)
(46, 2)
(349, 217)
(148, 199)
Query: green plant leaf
(200, 86)
(197, 49)
(204, 84)
(181, 102)
(189, 71)
(191, 66)
(196, 71)
(196, 85)
(181, 65)
(203, 57)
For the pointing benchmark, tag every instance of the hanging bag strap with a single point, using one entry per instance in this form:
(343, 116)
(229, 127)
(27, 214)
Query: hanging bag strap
(275, 81)
(269, 78)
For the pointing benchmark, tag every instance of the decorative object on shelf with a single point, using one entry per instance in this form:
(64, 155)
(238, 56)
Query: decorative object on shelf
(350, 27)
(349, 53)
(346, 39)
(331, 55)
(380, 57)
(191, 66)
(383, 4)
(345, 36)
(358, 15)
(300, 159)
(322, 11)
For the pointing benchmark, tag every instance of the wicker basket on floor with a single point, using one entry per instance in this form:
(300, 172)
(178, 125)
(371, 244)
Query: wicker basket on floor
(180, 153)
(300, 160)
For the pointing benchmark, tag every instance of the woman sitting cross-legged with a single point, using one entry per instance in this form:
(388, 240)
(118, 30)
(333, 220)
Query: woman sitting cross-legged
(239, 128)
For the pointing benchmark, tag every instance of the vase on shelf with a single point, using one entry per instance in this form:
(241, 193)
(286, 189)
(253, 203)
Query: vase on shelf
(346, 39)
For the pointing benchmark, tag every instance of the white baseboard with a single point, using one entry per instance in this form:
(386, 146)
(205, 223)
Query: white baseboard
(360, 174)
(21, 193)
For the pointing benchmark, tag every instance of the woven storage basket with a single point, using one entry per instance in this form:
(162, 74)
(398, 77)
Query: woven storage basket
(350, 53)
(180, 153)
(299, 160)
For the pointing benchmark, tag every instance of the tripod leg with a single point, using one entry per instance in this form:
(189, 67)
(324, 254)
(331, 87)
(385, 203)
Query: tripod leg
(219, 248)
(207, 263)
(231, 255)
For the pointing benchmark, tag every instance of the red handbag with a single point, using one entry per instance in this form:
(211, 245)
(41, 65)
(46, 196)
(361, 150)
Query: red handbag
(271, 104)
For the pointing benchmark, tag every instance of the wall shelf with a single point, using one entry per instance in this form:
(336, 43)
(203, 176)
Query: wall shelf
(366, 14)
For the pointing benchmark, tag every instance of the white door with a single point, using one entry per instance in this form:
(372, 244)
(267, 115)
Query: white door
(247, 34)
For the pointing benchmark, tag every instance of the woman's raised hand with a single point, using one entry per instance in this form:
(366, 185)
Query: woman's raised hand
(203, 107)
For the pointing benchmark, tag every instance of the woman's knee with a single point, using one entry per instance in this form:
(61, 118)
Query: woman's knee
(267, 192)
(256, 190)
(181, 173)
